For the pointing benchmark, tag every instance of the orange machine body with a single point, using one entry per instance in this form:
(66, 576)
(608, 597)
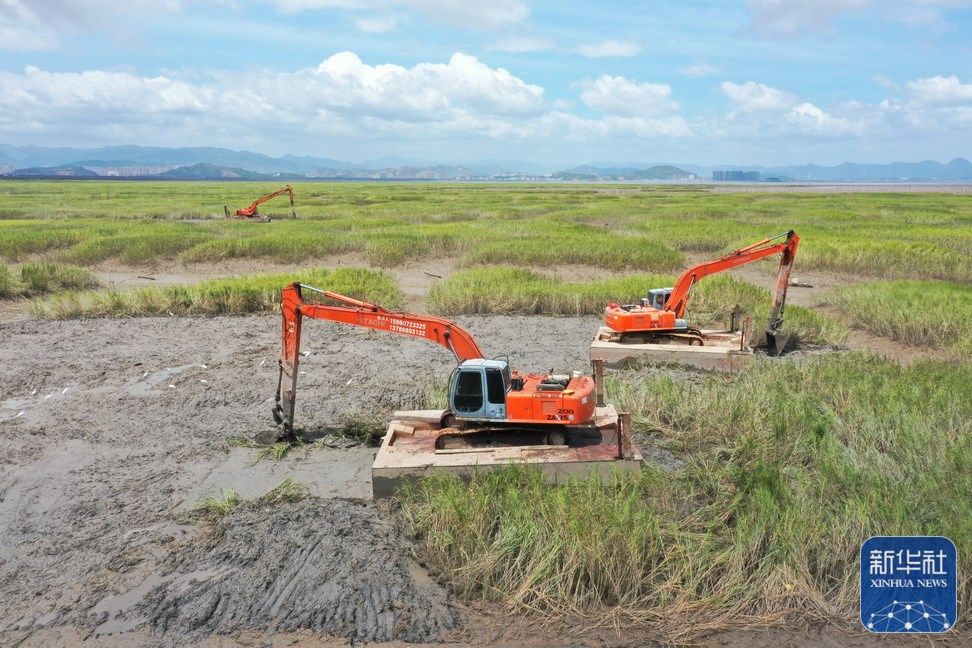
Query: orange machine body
(481, 390)
(251, 210)
(663, 309)
(571, 405)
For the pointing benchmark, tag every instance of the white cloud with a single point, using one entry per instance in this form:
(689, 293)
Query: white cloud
(458, 13)
(798, 18)
(376, 24)
(342, 94)
(609, 49)
(757, 97)
(32, 25)
(941, 91)
(886, 82)
(699, 70)
(808, 118)
(522, 44)
(616, 95)
(787, 18)
(343, 81)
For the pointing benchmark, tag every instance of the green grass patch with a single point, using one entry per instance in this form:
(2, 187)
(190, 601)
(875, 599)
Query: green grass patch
(43, 277)
(218, 506)
(592, 248)
(47, 277)
(921, 313)
(8, 285)
(286, 491)
(218, 296)
(504, 290)
(789, 467)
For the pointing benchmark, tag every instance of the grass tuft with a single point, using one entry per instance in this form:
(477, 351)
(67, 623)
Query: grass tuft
(276, 451)
(286, 491)
(8, 285)
(218, 296)
(47, 277)
(215, 507)
(364, 429)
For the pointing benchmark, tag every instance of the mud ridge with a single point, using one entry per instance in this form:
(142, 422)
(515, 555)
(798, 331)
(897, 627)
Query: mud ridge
(336, 566)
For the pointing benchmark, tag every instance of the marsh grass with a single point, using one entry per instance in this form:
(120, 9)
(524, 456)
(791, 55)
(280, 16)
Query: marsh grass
(920, 313)
(216, 507)
(43, 277)
(218, 296)
(8, 285)
(790, 466)
(47, 276)
(504, 290)
(277, 451)
(286, 491)
(364, 429)
(644, 228)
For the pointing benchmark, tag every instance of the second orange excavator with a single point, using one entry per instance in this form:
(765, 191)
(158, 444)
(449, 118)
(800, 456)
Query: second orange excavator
(251, 212)
(482, 392)
(659, 316)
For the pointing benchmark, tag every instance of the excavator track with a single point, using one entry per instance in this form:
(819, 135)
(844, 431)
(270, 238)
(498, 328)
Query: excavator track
(688, 337)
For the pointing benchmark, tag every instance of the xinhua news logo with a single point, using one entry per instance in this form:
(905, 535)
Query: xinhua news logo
(908, 584)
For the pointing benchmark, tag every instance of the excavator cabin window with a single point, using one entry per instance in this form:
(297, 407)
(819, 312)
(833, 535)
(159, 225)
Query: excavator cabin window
(495, 387)
(469, 391)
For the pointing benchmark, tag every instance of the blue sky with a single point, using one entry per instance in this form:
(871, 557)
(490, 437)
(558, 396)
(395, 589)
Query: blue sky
(555, 83)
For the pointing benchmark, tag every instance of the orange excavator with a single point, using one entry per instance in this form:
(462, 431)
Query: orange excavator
(251, 213)
(482, 392)
(659, 316)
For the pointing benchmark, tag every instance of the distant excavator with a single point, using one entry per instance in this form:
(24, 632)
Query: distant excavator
(251, 213)
(659, 316)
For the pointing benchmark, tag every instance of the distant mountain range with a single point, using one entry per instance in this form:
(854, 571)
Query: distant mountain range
(211, 163)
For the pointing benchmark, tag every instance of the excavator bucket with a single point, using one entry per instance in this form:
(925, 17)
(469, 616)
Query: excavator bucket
(775, 343)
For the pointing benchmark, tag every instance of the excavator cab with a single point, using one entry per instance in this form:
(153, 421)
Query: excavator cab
(477, 390)
(657, 297)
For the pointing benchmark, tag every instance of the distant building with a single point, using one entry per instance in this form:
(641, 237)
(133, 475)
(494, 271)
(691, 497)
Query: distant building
(736, 176)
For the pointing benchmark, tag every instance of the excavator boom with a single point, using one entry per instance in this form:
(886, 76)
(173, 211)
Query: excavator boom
(678, 300)
(357, 313)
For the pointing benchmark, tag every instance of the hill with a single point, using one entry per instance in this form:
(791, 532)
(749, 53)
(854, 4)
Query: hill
(660, 172)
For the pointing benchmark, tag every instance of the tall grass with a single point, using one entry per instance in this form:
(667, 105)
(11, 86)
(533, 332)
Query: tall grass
(8, 286)
(43, 277)
(789, 468)
(921, 313)
(218, 296)
(504, 290)
(593, 248)
(46, 277)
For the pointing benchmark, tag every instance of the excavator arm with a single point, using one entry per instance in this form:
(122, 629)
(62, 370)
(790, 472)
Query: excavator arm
(356, 313)
(252, 209)
(678, 299)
